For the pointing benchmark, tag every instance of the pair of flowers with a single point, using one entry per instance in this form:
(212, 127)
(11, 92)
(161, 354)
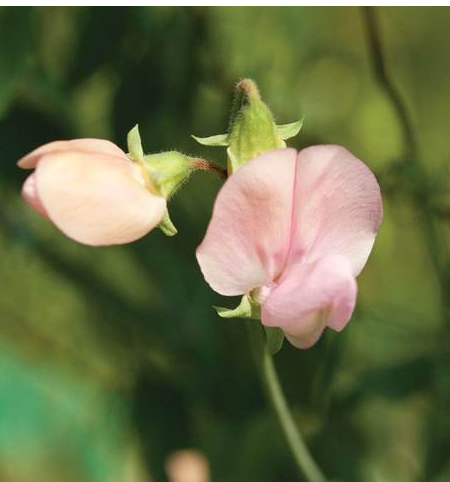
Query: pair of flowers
(290, 230)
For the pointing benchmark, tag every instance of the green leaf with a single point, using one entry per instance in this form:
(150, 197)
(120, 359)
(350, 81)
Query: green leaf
(286, 131)
(166, 226)
(247, 308)
(135, 144)
(274, 339)
(221, 140)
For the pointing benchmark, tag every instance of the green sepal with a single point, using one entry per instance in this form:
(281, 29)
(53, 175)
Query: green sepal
(253, 130)
(166, 226)
(221, 140)
(247, 308)
(287, 131)
(164, 172)
(168, 171)
(134, 143)
(274, 339)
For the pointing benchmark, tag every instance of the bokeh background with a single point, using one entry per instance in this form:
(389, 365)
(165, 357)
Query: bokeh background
(112, 358)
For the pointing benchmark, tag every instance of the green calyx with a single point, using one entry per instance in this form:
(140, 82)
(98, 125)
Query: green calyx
(247, 308)
(165, 172)
(168, 171)
(250, 309)
(167, 226)
(252, 128)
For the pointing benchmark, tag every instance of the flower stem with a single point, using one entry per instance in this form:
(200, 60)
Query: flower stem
(269, 376)
(204, 165)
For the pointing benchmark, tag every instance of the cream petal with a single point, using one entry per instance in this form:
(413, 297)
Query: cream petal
(97, 199)
(98, 146)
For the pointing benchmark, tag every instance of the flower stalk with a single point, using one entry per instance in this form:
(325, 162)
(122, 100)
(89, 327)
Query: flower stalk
(209, 166)
(269, 376)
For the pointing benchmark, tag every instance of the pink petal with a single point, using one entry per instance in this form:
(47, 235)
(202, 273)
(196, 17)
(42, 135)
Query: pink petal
(30, 194)
(99, 146)
(246, 242)
(309, 297)
(97, 199)
(337, 207)
(282, 208)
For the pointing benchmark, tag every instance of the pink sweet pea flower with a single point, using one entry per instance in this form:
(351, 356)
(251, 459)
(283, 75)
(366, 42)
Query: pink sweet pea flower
(91, 191)
(293, 230)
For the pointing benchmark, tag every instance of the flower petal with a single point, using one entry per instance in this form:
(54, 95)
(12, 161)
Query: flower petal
(246, 243)
(98, 146)
(97, 199)
(338, 207)
(311, 296)
(30, 194)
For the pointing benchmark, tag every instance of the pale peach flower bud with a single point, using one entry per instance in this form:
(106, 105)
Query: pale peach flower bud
(92, 191)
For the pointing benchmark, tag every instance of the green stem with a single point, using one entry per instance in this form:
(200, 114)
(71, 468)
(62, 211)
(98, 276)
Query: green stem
(269, 376)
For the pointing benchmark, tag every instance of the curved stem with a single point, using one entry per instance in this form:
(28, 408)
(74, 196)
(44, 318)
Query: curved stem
(437, 248)
(268, 373)
(384, 79)
(204, 165)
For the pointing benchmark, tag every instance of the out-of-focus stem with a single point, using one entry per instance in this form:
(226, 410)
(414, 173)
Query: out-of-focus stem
(384, 79)
(437, 249)
(269, 376)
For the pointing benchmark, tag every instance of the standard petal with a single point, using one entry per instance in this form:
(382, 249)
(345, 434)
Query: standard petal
(338, 207)
(97, 199)
(246, 243)
(99, 146)
(310, 296)
(30, 194)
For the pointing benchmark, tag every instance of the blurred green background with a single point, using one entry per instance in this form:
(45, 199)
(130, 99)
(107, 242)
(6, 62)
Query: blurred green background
(112, 358)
